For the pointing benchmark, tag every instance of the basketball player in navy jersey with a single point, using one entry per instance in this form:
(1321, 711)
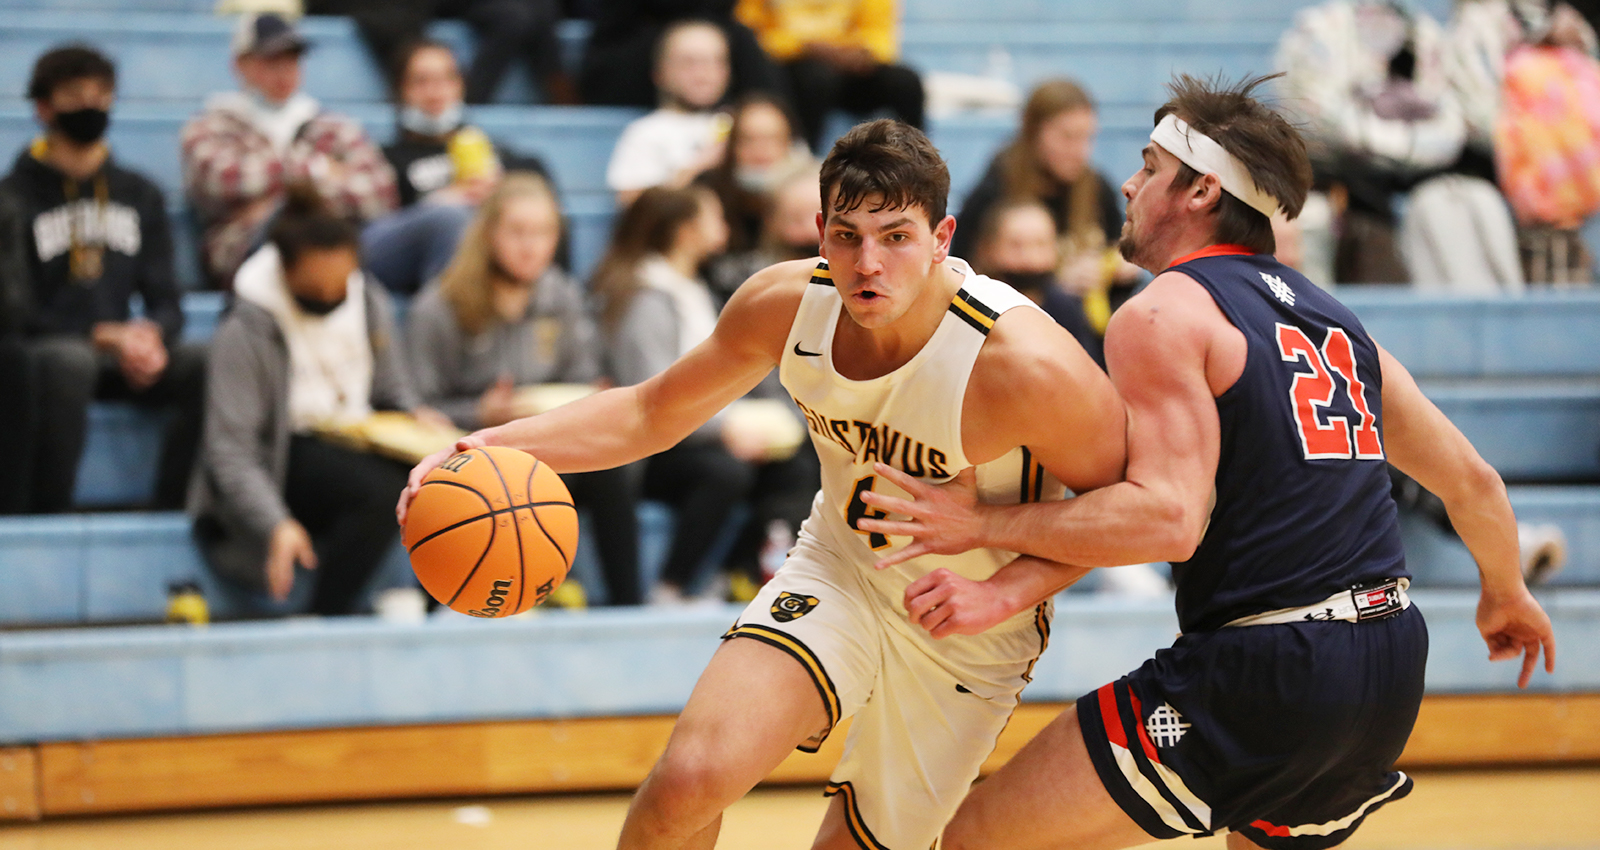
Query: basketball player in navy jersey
(895, 352)
(1260, 418)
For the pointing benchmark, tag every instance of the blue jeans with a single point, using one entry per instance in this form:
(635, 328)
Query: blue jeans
(408, 248)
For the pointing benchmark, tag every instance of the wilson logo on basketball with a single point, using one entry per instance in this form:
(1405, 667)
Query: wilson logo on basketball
(792, 606)
(454, 464)
(497, 600)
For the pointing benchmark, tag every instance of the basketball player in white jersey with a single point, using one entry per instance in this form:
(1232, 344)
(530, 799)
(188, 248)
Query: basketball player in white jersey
(896, 353)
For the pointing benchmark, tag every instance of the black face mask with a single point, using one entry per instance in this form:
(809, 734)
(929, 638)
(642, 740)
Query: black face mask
(1026, 281)
(84, 126)
(317, 307)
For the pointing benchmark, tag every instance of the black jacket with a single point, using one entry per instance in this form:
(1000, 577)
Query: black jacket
(422, 164)
(133, 233)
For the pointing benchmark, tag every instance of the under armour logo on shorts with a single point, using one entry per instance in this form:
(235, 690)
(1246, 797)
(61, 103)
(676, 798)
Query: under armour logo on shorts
(1165, 726)
(792, 606)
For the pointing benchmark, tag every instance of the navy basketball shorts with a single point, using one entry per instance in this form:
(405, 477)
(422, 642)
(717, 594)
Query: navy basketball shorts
(1286, 734)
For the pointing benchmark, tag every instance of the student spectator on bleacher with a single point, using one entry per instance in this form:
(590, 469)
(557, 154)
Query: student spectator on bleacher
(686, 135)
(780, 497)
(16, 389)
(788, 232)
(655, 308)
(504, 31)
(245, 147)
(444, 168)
(619, 59)
(1017, 243)
(764, 148)
(1547, 142)
(309, 345)
(1367, 82)
(99, 237)
(1049, 162)
(503, 317)
(839, 54)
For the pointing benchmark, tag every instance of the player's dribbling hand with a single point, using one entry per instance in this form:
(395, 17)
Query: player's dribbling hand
(946, 604)
(945, 518)
(421, 470)
(1513, 625)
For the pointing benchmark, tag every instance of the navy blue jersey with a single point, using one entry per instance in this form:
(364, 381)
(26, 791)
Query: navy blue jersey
(1302, 491)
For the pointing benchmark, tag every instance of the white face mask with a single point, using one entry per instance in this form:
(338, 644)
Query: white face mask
(758, 181)
(264, 104)
(423, 124)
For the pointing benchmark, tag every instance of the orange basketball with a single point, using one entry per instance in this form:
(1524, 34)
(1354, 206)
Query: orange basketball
(491, 532)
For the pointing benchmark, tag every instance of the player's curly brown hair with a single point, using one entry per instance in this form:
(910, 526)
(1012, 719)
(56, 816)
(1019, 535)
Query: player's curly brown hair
(888, 161)
(1268, 146)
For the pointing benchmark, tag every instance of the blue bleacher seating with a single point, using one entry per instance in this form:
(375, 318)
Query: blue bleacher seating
(239, 677)
(88, 568)
(1519, 376)
(1545, 425)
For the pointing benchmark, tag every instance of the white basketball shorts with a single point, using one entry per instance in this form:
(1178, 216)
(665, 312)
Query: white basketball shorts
(927, 712)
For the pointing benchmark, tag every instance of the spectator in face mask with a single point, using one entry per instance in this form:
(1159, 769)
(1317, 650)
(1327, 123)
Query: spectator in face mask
(764, 149)
(1017, 242)
(788, 231)
(245, 147)
(92, 236)
(444, 169)
(310, 343)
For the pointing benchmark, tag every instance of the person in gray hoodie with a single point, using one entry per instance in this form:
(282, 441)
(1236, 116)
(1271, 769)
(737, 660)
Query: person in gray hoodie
(310, 342)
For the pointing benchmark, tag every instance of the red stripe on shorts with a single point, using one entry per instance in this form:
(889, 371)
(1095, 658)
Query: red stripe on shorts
(1111, 718)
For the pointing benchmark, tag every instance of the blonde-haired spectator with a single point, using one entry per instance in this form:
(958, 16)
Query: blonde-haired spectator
(504, 316)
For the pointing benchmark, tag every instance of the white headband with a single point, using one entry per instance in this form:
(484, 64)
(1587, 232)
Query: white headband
(1202, 153)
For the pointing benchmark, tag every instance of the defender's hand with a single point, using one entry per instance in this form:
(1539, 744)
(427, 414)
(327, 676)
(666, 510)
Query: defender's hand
(946, 519)
(946, 604)
(1515, 624)
(421, 470)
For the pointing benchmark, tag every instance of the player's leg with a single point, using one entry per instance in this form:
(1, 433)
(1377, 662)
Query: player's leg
(1239, 842)
(753, 705)
(1049, 795)
(834, 834)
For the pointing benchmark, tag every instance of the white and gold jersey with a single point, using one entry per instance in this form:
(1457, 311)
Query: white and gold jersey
(909, 419)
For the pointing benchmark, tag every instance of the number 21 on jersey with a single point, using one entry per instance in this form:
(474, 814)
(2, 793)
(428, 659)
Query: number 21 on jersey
(1315, 389)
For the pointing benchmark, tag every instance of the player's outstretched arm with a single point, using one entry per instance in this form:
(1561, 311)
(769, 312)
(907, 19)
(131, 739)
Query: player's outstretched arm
(1160, 351)
(624, 424)
(1425, 445)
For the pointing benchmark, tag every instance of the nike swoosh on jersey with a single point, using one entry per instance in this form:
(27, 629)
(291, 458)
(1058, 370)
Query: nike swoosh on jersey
(803, 353)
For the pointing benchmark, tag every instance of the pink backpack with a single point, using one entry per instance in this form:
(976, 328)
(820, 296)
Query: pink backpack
(1547, 142)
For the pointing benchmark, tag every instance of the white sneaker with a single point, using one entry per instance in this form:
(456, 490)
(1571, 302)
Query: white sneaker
(1543, 550)
(665, 595)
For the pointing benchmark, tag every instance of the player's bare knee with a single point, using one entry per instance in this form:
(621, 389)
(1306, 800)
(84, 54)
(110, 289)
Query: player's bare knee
(691, 782)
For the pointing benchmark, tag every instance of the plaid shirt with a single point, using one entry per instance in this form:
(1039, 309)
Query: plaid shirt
(229, 164)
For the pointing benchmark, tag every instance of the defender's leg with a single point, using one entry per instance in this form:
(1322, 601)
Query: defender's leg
(1048, 796)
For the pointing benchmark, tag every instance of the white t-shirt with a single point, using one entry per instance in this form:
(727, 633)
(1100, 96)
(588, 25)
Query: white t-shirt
(657, 146)
(330, 357)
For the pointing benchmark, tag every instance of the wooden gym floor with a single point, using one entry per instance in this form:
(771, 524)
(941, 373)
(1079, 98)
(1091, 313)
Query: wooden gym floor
(1528, 809)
